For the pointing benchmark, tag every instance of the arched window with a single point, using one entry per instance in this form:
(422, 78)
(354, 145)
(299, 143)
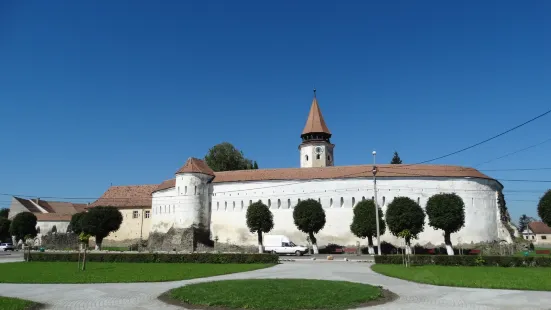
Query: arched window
(329, 157)
(342, 202)
(306, 156)
(353, 202)
(195, 193)
(363, 198)
(278, 203)
(317, 156)
(250, 202)
(384, 200)
(269, 203)
(165, 208)
(234, 205)
(331, 203)
(288, 203)
(319, 200)
(373, 198)
(218, 205)
(225, 205)
(299, 200)
(419, 200)
(242, 205)
(185, 190)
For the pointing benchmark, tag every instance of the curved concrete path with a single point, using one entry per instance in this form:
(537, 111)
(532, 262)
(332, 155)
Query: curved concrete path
(412, 295)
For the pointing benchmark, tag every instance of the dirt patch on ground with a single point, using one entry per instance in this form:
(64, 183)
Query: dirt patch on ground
(388, 296)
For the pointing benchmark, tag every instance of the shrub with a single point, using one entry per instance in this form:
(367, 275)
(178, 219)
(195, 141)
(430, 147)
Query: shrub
(468, 260)
(202, 258)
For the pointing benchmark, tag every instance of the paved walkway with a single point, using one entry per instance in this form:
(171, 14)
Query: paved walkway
(412, 295)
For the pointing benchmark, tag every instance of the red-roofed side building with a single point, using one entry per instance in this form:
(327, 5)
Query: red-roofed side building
(538, 233)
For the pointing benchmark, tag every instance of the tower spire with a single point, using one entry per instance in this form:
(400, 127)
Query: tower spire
(315, 122)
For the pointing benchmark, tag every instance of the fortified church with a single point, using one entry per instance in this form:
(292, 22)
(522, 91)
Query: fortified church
(217, 201)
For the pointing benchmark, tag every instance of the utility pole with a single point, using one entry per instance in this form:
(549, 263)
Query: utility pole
(376, 203)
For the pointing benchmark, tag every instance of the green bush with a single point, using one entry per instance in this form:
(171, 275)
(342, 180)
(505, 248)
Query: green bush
(468, 260)
(202, 258)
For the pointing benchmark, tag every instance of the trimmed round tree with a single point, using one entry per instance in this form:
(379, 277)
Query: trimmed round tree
(544, 208)
(259, 220)
(100, 221)
(364, 223)
(405, 219)
(309, 218)
(446, 212)
(5, 230)
(22, 225)
(75, 225)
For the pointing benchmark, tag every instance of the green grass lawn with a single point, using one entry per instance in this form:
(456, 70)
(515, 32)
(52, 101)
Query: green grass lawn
(7, 303)
(521, 278)
(276, 294)
(66, 272)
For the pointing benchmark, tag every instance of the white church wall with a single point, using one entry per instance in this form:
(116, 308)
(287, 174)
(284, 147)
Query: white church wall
(184, 205)
(336, 196)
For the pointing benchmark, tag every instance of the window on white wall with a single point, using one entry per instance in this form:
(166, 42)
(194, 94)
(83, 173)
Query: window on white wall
(288, 203)
(147, 214)
(135, 214)
(363, 198)
(185, 190)
(217, 205)
(317, 156)
(319, 200)
(250, 202)
(342, 202)
(418, 201)
(331, 203)
(165, 208)
(225, 205)
(306, 156)
(384, 200)
(173, 208)
(278, 203)
(178, 190)
(234, 205)
(195, 192)
(353, 202)
(242, 205)
(269, 203)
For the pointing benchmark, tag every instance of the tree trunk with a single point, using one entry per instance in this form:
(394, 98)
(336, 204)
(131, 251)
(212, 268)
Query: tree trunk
(408, 246)
(99, 241)
(84, 260)
(370, 249)
(314, 242)
(78, 262)
(260, 246)
(448, 242)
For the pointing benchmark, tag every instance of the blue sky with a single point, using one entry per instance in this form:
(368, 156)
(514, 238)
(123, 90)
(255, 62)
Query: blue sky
(123, 92)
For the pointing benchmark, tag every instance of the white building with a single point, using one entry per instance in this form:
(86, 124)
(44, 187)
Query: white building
(218, 200)
(538, 233)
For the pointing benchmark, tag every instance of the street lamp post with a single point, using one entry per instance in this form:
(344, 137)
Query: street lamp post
(376, 203)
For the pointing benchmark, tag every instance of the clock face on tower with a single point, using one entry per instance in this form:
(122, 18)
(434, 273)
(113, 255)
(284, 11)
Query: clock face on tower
(318, 150)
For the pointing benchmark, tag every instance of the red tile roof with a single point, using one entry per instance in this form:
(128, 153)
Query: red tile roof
(315, 122)
(196, 165)
(53, 217)
(539, 228)
(126, 196)
(341, 172)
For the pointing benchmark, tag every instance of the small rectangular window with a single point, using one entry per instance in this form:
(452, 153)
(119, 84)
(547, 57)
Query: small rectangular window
(147, 214)
(543, 237)
(135, 214)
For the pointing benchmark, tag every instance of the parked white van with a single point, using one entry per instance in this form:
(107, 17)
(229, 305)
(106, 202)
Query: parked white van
(280, 244)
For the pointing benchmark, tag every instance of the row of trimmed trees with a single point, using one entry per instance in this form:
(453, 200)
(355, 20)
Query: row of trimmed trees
(404, 217)
(97, 222)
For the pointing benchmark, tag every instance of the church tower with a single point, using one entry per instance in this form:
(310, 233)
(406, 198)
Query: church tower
(316, 149)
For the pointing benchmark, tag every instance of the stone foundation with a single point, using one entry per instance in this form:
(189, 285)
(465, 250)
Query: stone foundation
(181, 239)
(59, 241)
